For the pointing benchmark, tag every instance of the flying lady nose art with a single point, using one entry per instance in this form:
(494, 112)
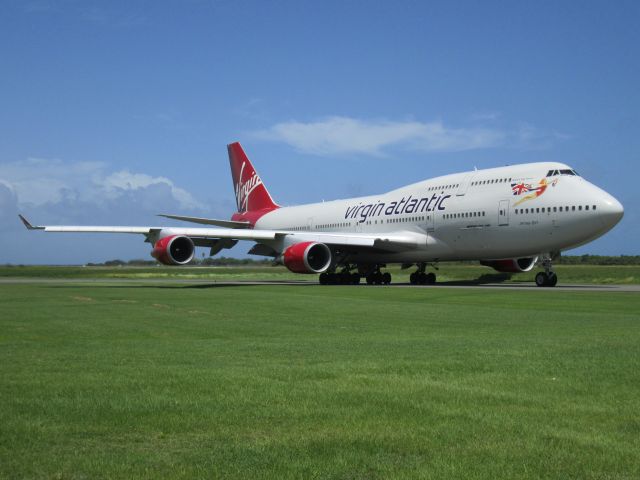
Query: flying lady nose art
(530, 191)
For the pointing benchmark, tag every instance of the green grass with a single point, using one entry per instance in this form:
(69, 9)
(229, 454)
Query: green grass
(120, 381)
(448, 272)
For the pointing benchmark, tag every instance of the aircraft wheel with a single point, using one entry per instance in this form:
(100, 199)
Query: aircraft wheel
(370, 279)
(386, 278)
(430, 278)
(413, 278)
(552, 280)
(324, 278)
(344, 278)
(541, 279)
(355, 278)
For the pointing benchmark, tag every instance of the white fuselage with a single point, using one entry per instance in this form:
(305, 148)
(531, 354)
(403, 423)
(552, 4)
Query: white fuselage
(507, 212)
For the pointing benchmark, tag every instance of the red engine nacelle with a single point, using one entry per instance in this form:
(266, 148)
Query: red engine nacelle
(174, 250)
(307, 257)
(511, 265)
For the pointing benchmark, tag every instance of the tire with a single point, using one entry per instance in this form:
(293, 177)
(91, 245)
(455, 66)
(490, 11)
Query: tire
(430, 278)
(370, 279)
(355, 278)
(541, 279)
(386, 278)
(552, 280)
(324, 278)
(413, 278)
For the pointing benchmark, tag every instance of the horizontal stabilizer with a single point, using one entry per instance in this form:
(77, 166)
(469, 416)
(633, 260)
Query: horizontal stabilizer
(28, 224)
(209, 221)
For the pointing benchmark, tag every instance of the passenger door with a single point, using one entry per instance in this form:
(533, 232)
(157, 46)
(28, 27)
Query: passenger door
(431, 222)
(503, 213)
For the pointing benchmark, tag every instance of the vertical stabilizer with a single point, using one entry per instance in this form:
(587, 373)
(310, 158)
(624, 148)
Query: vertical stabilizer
(251, 194)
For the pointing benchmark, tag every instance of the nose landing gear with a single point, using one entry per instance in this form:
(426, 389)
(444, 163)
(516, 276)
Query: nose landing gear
(548, 278)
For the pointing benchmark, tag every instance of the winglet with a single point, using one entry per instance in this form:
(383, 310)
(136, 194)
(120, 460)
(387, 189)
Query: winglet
(28, 225)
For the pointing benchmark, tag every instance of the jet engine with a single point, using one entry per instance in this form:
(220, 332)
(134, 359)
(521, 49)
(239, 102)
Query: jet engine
(307, 257)
(174, 250)
(511, 265)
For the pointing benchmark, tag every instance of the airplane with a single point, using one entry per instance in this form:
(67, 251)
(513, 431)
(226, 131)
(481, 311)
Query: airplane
(509, 218)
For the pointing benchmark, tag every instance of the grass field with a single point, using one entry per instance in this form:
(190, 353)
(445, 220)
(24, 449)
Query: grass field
(199, 381)
(448, 272)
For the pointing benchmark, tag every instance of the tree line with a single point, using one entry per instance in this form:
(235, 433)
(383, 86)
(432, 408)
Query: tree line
(238, 262)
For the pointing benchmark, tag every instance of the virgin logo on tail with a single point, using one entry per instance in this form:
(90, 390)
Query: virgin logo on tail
(245, 187)
(251, 193)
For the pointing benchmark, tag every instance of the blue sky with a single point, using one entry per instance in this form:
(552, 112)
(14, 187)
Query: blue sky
(112, 112)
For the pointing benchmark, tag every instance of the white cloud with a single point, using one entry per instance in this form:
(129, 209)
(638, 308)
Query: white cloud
(351, 136)
(123, 180)
(39, 182)
(345, 135)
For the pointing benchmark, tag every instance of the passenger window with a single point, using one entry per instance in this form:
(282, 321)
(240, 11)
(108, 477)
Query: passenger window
(580, 208)
(555, 209)
(586, 207)
(594, 207)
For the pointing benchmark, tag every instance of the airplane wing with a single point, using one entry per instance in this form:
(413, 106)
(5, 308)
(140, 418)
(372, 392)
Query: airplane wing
(393, 241)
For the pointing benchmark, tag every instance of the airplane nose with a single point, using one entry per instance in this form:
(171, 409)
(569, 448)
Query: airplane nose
(612, 211)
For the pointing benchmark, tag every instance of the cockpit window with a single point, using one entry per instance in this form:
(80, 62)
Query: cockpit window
(554, 173)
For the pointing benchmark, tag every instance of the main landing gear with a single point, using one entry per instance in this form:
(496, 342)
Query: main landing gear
(548, 278)
(420, 277)
(345, 277)
(372, 274)
(376, 277)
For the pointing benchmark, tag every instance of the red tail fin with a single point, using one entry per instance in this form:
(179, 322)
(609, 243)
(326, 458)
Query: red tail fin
(251, 194)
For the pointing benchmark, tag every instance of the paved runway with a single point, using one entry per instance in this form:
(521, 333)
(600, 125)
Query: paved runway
(203, 283)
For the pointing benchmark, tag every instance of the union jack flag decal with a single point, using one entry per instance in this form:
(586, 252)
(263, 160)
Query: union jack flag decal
(520, 188)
